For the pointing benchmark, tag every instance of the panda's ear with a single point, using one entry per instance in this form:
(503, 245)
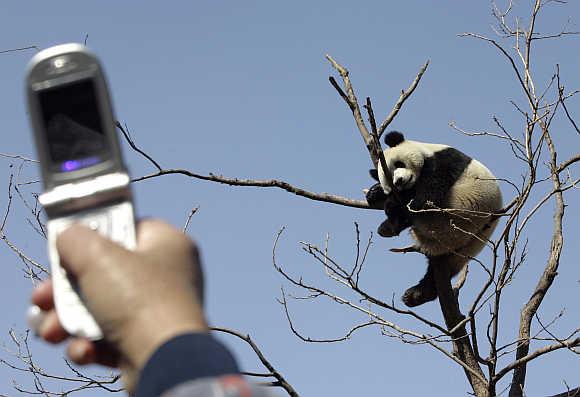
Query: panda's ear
(374, 174)
(393, 138)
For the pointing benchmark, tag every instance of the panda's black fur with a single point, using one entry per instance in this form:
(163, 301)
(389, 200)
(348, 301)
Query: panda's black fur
(428, 178)
(393, 138)
(438, 175)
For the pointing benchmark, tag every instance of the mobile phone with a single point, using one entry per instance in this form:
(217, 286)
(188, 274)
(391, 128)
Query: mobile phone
(83, 173)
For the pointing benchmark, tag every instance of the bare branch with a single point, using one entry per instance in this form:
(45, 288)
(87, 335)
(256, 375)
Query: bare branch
(308, 339)
(509, 58)
(568, 163)
(546, 329)
(352, 284)
(329, 198)
(570, 393)
(349, 97)
(280, 380)
(18, 157)
(520, 362)
(131, 143)
(562, 100)
(400, 332)
(555, 35)
(352, 102)
(341, 92)
(8, 205)
(31, 47)
(514, 143)
(25, 258)
(545, 281)
(78, 382)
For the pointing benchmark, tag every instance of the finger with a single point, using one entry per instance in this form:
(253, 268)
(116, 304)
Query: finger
(42, 295)
(83, 351)
(154, 233)
(82, 249)
(51, 330)
(155, 237)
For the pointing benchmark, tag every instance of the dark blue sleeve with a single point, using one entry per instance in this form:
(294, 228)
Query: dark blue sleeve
(184, 358)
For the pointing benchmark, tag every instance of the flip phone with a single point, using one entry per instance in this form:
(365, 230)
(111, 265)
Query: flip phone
(83, 173)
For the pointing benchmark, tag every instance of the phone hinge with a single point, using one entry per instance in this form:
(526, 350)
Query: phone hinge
(88, 193)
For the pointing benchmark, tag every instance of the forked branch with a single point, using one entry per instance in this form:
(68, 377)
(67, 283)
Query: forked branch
(351, 100)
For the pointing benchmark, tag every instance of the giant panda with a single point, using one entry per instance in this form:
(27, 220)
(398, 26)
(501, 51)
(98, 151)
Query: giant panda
(449, 202)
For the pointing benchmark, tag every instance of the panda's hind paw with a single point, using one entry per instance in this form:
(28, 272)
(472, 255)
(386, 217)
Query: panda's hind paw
(404, 250)
(386, 229)
(418, 294)
(391, 227)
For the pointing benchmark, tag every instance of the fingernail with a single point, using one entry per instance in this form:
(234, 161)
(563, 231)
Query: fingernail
(79, 352)
(35, 317)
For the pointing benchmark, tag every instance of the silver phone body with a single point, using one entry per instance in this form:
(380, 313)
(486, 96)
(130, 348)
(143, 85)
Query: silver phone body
(84, 177)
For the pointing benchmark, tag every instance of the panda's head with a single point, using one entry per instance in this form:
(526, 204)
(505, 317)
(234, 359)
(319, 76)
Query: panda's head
(404, 159)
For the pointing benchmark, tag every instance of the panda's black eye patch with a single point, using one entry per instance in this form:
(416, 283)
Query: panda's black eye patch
(399, 164)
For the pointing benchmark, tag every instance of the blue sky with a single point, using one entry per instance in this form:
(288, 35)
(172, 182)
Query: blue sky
(241, 89)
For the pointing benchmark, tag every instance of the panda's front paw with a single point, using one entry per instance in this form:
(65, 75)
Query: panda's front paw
(419, 294)
(376, 196)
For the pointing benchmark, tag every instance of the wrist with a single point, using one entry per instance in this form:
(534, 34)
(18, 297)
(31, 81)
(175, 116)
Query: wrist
(152, 328)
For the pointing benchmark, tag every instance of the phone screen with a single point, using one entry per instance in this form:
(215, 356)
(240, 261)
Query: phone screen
(73, 126)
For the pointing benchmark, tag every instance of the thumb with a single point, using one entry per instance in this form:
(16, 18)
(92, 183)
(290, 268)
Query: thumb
(83, 250)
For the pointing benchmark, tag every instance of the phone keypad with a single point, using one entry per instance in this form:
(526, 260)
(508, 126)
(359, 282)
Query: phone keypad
(117, 223)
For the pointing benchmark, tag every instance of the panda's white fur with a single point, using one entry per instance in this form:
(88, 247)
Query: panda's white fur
(415, 153)
(451, 210)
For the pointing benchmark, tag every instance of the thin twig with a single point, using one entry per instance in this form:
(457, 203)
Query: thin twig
(18, 157)
(191, 213)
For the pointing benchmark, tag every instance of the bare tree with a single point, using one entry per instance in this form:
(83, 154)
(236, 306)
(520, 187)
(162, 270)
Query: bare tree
(475, 331)
(474, 339)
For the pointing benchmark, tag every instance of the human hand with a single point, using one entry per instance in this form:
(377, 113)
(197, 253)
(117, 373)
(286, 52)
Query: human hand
(140, 298)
